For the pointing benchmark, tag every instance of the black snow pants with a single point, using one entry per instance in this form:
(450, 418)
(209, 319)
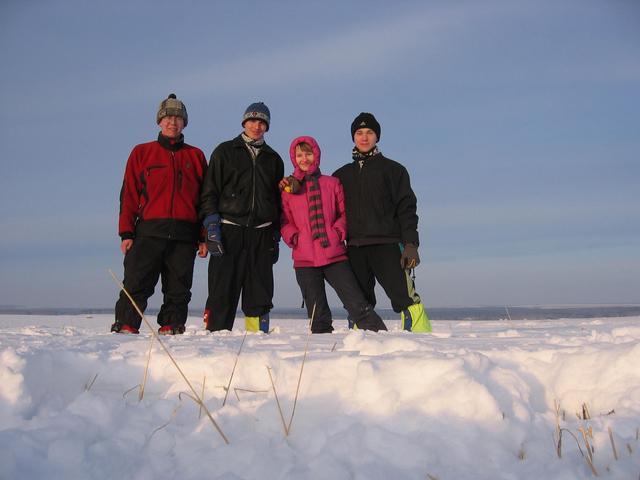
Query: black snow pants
(382, 263)
(340, 276)
(245, 267)
(148, 259)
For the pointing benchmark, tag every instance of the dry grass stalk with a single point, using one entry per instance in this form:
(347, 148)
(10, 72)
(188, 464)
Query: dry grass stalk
(508, 314)
(558, 435)
(586, 433)
(124, 395)
(304, 358)
(432, 477)
(630, 449)
(226, 393)
(522, 454)
(173, 414)
(586, 457)
(166, 350)
(204, 381)
(613, 444)
(236, 390)
(87, 386)
(146, 370)
(273, 386)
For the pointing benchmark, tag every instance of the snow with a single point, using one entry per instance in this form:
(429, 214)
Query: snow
(473, 400)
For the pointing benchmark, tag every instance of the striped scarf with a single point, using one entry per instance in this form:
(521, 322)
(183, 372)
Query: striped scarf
(316, 217)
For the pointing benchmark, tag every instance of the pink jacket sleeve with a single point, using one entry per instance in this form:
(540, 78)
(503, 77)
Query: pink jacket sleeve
(288, 228)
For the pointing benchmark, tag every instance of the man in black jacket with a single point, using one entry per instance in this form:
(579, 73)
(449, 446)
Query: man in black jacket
(240, 209)
(382, 224)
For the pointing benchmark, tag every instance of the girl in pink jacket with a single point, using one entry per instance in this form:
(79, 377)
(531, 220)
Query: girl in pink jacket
(314, 225)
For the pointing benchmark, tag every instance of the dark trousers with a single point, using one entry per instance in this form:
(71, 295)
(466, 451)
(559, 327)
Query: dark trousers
(148, 259)
(245, 267)
(340, 276)
(382, 263)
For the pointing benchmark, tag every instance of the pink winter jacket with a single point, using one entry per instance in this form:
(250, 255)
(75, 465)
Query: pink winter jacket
(296, 228)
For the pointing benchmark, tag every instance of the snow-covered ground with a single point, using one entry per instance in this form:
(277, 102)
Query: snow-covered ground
(473, 400)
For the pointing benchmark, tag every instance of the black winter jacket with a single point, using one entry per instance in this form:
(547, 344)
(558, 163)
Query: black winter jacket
(241, 190)
(380, 204)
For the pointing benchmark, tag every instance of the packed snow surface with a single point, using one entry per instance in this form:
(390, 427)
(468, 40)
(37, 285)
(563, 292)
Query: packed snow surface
(473, 400)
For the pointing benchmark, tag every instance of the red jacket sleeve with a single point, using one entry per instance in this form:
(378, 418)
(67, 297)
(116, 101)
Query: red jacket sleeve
(129, 198)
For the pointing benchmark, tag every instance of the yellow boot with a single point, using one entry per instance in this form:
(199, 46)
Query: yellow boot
(415, 319)
(255, 324)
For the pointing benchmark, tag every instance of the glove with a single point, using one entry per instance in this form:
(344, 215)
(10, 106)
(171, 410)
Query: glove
(214, 235)
(290, 184)
(409, 258)
(275, 251)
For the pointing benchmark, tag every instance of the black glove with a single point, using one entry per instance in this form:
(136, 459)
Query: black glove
(214, 235)
(409, 258)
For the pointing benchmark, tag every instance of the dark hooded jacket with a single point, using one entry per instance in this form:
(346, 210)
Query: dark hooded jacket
(380, 204)
(242, 190)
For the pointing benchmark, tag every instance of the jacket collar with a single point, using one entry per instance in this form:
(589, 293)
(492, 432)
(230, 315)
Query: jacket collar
(238, 142)
(166, 143)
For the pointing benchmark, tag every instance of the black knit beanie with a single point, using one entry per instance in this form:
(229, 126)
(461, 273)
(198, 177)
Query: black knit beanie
(365, 120)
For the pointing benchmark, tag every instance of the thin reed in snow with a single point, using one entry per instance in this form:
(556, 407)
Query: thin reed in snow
(613, 444)
(226, 393)
(154, 333)
(273, 386)
(146, 370)
(304, 358)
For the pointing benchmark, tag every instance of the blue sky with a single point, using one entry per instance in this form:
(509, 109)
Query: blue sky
(517, 120)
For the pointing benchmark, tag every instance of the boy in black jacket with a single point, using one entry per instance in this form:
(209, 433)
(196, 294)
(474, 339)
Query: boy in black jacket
(382, 224)
(240, 209)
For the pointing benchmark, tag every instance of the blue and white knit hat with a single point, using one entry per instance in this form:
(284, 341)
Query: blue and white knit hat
(257, 111)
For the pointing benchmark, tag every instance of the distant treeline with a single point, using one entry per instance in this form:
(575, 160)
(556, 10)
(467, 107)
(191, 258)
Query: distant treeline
(442, 313)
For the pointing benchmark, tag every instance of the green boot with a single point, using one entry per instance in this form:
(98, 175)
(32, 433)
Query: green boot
(415, 319)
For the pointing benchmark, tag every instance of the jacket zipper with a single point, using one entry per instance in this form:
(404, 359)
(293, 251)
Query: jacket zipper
(173, 187)
(253, 186)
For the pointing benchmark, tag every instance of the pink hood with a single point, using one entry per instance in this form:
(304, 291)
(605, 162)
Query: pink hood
(299, 174)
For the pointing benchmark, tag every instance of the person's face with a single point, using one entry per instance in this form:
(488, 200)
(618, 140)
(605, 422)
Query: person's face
(171, 126)
(365, 139)
(254, 129)
(304, 159)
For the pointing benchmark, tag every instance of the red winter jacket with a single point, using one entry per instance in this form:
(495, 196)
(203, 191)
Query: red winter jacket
(296, 227)
(161, 191)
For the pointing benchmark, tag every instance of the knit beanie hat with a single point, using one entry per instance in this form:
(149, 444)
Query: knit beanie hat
(365, 120)
(257, 111)
(172, 106)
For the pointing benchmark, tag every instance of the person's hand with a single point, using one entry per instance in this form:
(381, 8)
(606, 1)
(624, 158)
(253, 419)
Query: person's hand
(409, 258)
(289, 184)
(126, 245)
(214, 235)
(202, 250)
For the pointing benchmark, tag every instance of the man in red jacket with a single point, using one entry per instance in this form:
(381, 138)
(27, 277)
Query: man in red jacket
(159, 224)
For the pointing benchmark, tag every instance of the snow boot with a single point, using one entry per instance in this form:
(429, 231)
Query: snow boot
(255, 324)
(321, 327)
(414, 319)
(119, 327)
(171, 330)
